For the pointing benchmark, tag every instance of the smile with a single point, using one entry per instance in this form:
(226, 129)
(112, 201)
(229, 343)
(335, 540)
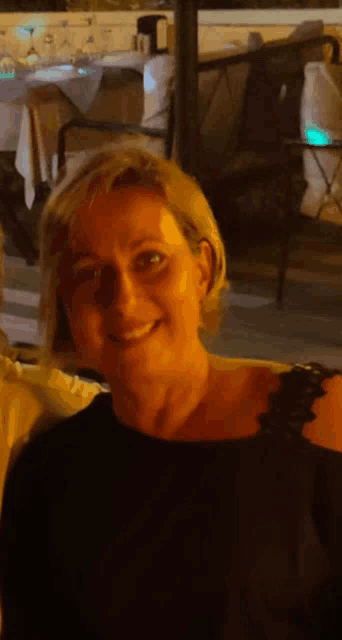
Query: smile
(137, 334)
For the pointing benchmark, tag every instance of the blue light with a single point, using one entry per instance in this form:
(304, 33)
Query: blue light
(149, 82)
(315, 135)
(84, 72)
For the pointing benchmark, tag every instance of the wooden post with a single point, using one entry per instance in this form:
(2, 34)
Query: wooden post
(186, 89)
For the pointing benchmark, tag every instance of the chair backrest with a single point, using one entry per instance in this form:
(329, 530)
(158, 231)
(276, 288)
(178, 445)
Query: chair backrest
(305, 30)
(148, 25)
(273, 92)
(273, 65)
(112, 129)
(265, 113)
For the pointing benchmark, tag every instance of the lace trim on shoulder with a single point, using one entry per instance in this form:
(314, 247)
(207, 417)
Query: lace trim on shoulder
(291, 406)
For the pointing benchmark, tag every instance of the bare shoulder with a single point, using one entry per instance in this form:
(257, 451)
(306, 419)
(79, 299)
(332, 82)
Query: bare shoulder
(253, 379)
(326, 429)
(221, 363)
(240, 392)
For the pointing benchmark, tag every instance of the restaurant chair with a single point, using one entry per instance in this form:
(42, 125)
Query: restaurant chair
(321, 205)
(112, 129)
(309, 29)
(17, 228)
(270, 115)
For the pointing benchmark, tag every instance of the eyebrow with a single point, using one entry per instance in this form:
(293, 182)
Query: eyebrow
(133, 245)
(137, 243)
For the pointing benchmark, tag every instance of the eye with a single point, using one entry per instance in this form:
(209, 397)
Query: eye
(84, 273)
(151, 260)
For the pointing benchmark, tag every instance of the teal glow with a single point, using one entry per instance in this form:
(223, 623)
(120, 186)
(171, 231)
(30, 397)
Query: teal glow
(5, 75)
(85, 72)
(315, 135)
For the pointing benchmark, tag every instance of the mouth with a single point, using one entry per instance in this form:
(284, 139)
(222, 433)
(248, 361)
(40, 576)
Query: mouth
(136, 336)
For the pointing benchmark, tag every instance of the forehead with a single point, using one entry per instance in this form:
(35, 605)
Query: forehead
(122, 216)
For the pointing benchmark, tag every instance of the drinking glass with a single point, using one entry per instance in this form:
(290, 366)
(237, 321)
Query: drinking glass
(7, 64)
(49, 46)
(32, 55)
(89, 48)
(66, 49)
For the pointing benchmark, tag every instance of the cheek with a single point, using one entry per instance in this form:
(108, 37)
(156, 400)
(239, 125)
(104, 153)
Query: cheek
(86, 327)
(184, 285)
(180, 297)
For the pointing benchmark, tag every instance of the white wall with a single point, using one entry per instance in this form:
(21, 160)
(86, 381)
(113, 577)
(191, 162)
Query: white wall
(215, 27)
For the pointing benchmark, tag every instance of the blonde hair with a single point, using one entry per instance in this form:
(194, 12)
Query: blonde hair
(125, 163)
(3, 337)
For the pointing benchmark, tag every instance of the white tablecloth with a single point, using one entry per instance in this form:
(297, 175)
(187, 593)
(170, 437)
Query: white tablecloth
(81, 90)
(17, 130)
(125, 60)
(81, 87)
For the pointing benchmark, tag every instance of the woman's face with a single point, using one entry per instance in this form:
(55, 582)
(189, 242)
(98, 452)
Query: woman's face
(132, 288)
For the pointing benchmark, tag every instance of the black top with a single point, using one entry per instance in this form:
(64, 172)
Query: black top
(108, 533)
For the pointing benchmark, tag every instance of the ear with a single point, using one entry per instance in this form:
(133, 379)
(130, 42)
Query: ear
(205, 265)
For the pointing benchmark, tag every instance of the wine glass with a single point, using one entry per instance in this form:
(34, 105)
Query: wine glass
(66, 50)
(49, 47)
(7, 64)
(89, 48)
(32, 55)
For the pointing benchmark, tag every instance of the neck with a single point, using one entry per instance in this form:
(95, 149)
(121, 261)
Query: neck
(160, 404)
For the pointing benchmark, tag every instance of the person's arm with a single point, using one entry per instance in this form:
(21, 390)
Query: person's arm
(326, 603)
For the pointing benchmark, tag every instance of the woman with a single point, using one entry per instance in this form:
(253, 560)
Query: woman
(33, 395)
(186, 503)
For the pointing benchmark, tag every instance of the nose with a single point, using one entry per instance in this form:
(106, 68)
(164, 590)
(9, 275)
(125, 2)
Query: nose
(118, 290)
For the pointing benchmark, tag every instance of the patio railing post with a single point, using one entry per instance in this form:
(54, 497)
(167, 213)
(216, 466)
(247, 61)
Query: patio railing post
(186, 90)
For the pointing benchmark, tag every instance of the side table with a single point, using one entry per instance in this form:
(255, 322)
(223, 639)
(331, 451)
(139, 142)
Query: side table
(292, 146)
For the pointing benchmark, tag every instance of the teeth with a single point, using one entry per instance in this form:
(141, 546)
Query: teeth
(138, 332)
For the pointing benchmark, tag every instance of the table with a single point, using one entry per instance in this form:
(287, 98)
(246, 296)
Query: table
(32, 110)
(35, 109)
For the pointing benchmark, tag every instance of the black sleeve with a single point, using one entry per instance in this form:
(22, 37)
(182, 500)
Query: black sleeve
(326, 607)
